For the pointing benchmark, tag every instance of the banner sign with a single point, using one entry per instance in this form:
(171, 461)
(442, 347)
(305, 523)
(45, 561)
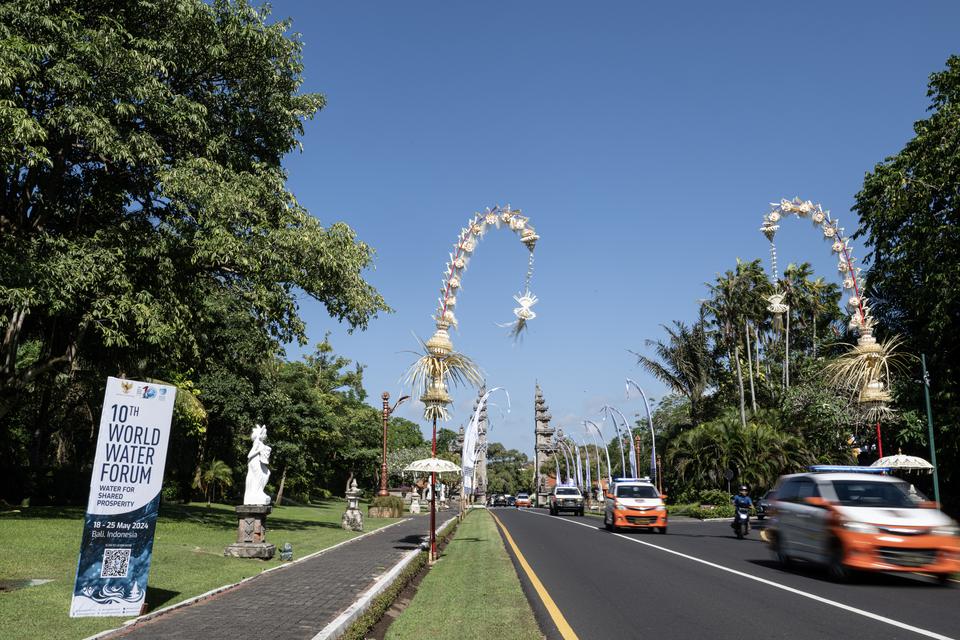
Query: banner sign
(124, 499)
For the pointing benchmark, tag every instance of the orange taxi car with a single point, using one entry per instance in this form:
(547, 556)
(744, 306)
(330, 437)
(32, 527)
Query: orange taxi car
(523, 500)
(634, 503)
(850, 520)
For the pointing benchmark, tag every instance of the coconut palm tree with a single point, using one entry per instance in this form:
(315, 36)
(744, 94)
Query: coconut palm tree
(723, 306)
(216, 474)
(683, 362)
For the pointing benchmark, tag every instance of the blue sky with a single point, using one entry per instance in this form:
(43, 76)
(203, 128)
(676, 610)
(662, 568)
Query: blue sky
(643, 140)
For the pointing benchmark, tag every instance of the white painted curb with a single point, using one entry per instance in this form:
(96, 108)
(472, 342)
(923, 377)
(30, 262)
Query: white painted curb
(215, 591)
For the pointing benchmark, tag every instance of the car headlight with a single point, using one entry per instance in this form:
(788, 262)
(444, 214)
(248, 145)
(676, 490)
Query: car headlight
(946, 530)
(622, 507)
(860, 527)
(660, 508)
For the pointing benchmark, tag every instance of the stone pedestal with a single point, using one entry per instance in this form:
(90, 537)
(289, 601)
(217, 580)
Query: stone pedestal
(252, 533)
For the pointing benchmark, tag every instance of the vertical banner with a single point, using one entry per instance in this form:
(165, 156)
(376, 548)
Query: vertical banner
(124, 499)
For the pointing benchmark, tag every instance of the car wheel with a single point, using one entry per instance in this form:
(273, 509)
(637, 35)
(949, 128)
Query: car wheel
(778, 550)
(838, 571)
(945, 580)
(580, 513)
(662, 530)
(606, 523)
(760, 516)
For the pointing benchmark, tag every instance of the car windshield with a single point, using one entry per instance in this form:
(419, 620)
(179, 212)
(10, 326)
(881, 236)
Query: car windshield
(522, 496)
(567, 491)
(866, 493)
(637, 491)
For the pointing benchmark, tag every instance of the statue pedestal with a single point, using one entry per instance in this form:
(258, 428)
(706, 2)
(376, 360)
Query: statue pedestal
(252, 533)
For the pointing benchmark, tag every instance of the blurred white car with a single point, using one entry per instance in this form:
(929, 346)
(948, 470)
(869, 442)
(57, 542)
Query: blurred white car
(849, 520)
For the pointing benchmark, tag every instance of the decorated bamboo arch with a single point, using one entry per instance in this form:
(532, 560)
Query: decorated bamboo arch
(440, 364)
(866, 367)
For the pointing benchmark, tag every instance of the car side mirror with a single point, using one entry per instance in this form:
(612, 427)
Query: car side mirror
(608, 495)
(663, 496)
(815, 501)
(929, 504)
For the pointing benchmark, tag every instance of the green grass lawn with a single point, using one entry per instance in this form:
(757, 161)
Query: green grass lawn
(44, 542)
(472, 592)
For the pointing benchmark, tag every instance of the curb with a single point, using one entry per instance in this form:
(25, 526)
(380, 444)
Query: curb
(343, 621)
(203, 596)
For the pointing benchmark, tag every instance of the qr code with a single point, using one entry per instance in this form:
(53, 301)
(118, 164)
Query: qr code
(116, 563)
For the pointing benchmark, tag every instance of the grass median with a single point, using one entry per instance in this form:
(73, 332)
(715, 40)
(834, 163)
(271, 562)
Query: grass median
(44, 543)
(472, 592)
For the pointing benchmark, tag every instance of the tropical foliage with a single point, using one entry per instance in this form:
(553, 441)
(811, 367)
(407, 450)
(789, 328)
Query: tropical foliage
(147, 232)
(909, 211)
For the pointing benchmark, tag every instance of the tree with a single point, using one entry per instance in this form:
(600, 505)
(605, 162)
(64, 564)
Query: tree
(216, 474)
(683, 362)
(402, 433)
(909, 210)
(140, 175)
(444, 437)
(725, 306)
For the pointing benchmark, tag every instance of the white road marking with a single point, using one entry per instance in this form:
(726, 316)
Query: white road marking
(805, 594)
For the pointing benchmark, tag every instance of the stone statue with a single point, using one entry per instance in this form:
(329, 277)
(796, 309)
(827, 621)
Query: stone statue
(258, 471)
(352, 519)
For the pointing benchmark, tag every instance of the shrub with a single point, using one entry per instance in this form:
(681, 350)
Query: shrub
(388, 502)
(714, 496)
(719, 511)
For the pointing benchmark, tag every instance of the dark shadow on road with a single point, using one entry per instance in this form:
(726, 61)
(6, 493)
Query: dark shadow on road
(863, 578)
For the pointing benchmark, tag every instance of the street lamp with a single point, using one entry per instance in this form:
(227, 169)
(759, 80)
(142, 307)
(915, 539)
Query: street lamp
(606, 451)
(653, 436)
(387, 410)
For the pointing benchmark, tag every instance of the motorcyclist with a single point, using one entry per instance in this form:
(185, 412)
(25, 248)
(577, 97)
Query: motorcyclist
(741, 500)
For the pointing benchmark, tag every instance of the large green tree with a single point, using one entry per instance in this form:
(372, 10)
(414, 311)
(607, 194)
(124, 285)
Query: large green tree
(909, 211)
(140, 176)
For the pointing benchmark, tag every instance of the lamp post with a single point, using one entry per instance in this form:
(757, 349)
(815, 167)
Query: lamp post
(653, 435)
(606, 451)
(933, 449)
(387, 410)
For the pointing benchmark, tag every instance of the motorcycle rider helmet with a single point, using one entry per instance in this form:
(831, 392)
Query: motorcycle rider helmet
(743, 489)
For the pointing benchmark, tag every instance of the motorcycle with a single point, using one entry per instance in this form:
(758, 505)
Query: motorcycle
(741, 522)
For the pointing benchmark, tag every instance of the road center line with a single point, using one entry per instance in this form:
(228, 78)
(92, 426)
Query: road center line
(566, 631)
(805, 594)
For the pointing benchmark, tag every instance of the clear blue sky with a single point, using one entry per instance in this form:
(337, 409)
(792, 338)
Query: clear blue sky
(644, 140)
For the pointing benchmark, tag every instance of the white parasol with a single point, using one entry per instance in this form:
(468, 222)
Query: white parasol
(432, 465)
(901, 461)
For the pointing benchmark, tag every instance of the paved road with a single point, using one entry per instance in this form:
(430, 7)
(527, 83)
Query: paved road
(637, 585)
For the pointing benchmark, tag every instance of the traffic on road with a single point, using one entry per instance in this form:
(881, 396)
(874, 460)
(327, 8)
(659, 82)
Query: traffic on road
(839, 553)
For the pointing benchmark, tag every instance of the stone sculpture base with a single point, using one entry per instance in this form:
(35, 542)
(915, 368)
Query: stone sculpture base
(252, 533)
(352, 520)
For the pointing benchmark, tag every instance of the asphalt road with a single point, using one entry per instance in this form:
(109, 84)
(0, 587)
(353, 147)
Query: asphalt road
(638, 585)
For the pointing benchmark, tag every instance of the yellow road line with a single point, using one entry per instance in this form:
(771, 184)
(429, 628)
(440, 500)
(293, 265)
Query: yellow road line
(566, 631)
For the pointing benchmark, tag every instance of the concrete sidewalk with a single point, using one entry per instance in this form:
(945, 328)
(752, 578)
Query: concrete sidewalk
(297, 601)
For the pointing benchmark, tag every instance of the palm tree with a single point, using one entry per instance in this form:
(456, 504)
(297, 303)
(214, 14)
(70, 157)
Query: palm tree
(753, 287)
(216, 474)
(758, 452)
(723, 306)
(683, 362)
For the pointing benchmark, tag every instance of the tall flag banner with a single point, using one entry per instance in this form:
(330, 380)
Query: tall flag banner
(124, 499)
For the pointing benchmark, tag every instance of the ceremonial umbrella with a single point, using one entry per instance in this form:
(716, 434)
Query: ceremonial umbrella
(901, 461)
(432, 466)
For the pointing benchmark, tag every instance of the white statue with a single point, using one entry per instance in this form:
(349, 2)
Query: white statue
(257, 470)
